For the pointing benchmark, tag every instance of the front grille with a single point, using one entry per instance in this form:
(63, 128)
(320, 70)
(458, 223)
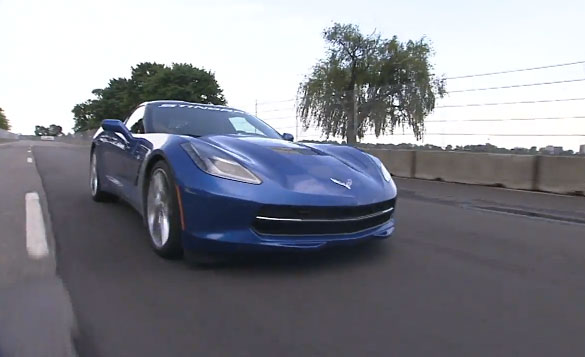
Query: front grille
(317, 220)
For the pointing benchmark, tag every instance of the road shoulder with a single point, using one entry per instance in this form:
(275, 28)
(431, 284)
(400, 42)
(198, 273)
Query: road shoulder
(520, 202)
(36, 317)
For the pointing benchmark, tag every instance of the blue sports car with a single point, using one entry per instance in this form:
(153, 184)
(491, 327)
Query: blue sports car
(210, 180)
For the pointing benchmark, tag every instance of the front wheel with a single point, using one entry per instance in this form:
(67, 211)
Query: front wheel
(162, 212)
(94, 183)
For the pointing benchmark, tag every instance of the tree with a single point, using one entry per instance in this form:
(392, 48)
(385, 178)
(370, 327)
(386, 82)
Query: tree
(41, 130)
(4, 123)
(149, 81)
(55, 130)
(369, 83)
(52, 130)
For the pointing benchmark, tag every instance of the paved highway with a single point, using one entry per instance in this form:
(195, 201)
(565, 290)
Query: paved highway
(470, 271)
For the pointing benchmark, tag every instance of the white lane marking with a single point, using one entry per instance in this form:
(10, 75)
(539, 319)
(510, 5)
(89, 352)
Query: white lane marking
(538, 192)
(546, 219)
(29, 160)
(36, 238)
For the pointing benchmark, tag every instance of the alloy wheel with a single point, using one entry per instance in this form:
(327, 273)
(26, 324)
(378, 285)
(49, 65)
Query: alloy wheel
(158, 208)
(93, 177)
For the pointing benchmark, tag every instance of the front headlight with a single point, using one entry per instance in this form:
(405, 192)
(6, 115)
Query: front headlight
(385, 172)
(216, 163)
(383, 169)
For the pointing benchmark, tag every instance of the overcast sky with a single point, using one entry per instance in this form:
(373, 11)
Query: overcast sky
(53, 53)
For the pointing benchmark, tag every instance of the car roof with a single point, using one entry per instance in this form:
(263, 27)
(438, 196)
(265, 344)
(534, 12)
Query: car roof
(187, 103)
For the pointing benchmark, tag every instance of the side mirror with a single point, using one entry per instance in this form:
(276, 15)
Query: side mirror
(288, 137)
(117, 126)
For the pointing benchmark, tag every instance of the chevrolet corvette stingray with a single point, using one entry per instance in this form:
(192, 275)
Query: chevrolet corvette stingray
(212, 180)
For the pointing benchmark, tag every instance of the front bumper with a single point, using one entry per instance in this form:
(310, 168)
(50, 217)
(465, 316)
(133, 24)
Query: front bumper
(249, 241)
(222, 224)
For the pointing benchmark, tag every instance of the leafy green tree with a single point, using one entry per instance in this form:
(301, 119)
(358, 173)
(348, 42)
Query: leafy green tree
(149, 81)
(52, 130)
(55, 130)
(368, 83)
(84, 117)
(183, 82)
(4, 123)
(41, 130)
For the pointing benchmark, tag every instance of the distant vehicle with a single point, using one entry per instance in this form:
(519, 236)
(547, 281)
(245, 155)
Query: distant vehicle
(212, 180)
(48, 138)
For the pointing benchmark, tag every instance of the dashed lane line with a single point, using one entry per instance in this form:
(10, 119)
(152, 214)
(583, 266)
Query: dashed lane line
(36, 237)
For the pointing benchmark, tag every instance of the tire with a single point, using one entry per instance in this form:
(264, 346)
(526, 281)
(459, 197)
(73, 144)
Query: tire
(94, 182)
(162, 212)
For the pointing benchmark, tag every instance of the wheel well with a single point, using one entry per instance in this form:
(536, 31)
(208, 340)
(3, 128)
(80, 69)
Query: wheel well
(148, 169)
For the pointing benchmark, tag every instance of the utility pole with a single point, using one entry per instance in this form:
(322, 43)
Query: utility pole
(296, 127)
(355, 111)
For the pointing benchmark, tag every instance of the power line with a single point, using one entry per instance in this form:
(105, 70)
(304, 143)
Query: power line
(470, 89)
(501, 119)
(488, 120)
(313, 136)
(275, 110)
(482, 75)
(516, 70)
(509, 103)
(472, 134)
(464, 120)
(479, 134)
(279, 118)
(277, 101)
(516, 86)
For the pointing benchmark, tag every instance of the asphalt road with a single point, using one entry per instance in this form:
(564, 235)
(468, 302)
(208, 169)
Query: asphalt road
(36, 317)
(470, 271)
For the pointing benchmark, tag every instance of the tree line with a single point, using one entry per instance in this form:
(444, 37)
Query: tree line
(369, 83)
(148, 81)
(51, 130)
(364, 83)
(4, 122)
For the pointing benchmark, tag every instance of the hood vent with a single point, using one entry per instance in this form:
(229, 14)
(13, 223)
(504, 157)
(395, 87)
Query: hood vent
(295, 150)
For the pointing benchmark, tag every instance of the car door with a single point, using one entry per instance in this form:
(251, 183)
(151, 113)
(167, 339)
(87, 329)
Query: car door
(111, 145)
(134, 154)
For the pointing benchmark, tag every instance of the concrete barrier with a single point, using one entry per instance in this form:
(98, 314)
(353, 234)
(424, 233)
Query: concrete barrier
(558, 174)
(512, 171)
(561, 174)
(398, 162)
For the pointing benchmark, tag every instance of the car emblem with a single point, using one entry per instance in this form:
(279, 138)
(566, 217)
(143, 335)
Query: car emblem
(346, 184)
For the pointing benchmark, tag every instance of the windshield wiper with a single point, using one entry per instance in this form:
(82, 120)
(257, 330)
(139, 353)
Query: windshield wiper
(193, 135)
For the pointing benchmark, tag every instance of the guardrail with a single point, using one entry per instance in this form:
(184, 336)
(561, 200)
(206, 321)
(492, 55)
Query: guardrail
(557, 174)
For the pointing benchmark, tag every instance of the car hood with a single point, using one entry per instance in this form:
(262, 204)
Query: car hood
(304, 168)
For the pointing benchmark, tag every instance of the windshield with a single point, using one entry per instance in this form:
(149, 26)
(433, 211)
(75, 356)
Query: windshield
(200, 120)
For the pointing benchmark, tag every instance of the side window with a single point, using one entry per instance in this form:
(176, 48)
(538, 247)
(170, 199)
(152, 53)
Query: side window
(241, 125)
(135, 123)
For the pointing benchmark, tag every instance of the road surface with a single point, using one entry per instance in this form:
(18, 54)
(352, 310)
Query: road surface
(470, 271)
